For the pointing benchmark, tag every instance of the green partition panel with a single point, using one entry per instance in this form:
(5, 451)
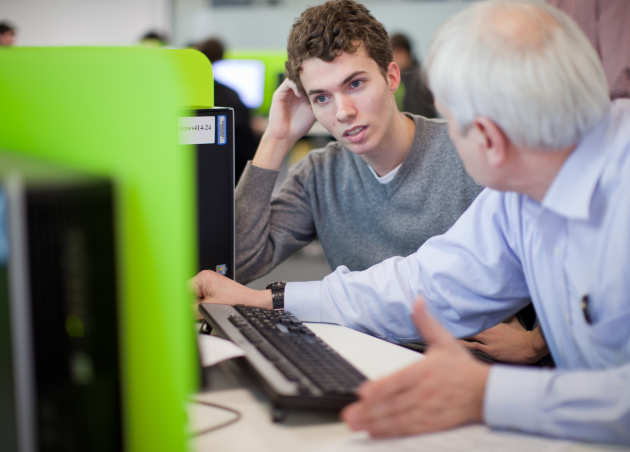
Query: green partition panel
(196, 75)
(274, 61)
(114, 111)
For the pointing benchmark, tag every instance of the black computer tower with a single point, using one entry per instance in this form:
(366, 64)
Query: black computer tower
(211, 131)
(59, 353)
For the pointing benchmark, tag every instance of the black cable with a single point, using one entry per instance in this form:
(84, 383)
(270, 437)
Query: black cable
(236, 418)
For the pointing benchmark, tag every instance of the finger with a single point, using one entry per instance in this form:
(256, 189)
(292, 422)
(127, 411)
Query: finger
(429, 327)
(408, 422)
(477, 337)
(399, 425)
(195, 286)
(197, 314)
(387, 427)
(353, 415)
(291, 84)
(470, 345)
(389, 386)
(480, 337)
(361, 414)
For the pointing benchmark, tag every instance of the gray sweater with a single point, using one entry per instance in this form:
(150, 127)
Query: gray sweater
(331, 194)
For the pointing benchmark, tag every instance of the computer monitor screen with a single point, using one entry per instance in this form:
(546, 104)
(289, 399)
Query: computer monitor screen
(59, 308)
(246, 77)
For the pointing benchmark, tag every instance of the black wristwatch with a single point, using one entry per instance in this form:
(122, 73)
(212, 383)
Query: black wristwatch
(277, 293)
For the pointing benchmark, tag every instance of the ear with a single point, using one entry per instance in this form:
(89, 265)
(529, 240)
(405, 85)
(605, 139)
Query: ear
(393, 76)
(492, 141)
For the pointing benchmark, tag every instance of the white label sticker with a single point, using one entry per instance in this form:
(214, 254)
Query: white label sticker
(197, 130)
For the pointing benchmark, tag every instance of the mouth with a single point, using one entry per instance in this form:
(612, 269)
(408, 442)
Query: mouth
(355, 134)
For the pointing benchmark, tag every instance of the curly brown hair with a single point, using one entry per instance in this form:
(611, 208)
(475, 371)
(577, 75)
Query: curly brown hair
(337, 26)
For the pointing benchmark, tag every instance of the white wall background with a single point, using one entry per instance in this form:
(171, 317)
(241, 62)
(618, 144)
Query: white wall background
(122, 22)
(268, 28)
(85, 22)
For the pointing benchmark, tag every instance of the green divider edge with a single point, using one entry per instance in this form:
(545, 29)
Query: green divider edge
(114, 111)
(196, 75)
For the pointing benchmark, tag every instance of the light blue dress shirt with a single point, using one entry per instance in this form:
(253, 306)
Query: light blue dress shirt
(505, 248)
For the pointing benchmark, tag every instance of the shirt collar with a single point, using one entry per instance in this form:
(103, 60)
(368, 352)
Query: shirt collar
(386, 178)
(572, 189)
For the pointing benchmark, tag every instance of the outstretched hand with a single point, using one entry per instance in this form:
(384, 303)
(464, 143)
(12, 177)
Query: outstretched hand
(441, 391)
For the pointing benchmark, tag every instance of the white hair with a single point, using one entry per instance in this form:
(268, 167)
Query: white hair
(525, 65)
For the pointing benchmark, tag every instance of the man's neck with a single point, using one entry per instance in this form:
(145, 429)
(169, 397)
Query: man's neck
(537, 169)
(395, 146)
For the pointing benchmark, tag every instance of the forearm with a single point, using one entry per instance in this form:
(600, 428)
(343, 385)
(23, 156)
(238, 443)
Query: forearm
(379, 299)
(348, 298)
(251, 297)
(271, 152)
(253, 205)
(268, 229)
(263, 299)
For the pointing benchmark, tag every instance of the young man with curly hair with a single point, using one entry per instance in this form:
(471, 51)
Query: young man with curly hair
(389, 181)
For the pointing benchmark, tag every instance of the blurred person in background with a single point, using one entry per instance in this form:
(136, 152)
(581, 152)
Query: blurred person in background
(224, 96)
(416, 97)
(7, 34)
(607, 24)
(154, 38)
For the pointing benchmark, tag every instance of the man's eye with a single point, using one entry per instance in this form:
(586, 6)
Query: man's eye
(356, 83)
(320, 99)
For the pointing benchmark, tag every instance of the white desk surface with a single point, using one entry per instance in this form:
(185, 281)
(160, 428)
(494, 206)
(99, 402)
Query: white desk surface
(312, 431)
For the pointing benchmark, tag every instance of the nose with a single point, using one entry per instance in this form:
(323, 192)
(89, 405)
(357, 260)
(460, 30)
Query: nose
(345, 109)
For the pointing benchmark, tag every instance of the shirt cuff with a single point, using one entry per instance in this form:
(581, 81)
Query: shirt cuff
(514, 397)
(302, 299)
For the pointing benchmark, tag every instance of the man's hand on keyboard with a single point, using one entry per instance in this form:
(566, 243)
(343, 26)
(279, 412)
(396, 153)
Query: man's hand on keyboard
(441, 391)
(211, 287)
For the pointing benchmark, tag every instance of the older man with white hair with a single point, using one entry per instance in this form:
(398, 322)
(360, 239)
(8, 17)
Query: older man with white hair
(527, 106)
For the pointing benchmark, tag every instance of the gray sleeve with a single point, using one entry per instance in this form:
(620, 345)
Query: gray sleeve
(270, 227)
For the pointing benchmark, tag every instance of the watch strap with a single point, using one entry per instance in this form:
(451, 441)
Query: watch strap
(277, 294)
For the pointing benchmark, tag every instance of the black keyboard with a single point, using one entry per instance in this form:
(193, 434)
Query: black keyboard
(297, 368)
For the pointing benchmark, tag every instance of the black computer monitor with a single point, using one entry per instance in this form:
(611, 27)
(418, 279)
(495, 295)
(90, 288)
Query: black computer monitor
(211, 131)
(246, 77)
(59, 353)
